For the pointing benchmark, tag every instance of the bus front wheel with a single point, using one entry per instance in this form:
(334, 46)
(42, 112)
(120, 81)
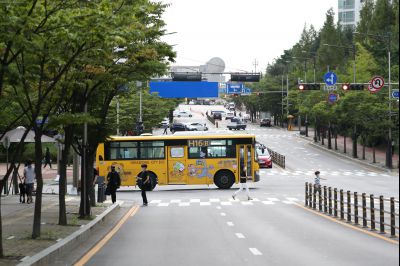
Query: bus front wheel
(224, 179)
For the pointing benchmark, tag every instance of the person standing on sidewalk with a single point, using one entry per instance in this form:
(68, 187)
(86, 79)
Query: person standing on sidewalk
(113, 183)
(317, 180)
(47, 158)
(144, 182)
(29, 178)
(243, 183)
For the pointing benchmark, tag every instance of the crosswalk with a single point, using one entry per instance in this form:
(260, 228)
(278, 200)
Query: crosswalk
(310, 173)
(222, 202)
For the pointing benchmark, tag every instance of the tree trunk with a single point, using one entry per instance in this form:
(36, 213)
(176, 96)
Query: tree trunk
(323, 137)
(374, 154)
(329, 137)
(1, 223)
(355, 138)
(62, 210)
(345, 144)
(336, 143)
(315, 134)
(37, 217)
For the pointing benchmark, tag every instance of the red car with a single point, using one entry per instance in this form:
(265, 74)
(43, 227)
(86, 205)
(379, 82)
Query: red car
(264, 158)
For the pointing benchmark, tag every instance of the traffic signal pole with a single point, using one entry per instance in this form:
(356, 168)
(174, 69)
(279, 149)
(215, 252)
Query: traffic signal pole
(389, 155)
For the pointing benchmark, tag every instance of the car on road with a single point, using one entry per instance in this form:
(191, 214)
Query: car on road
(197, 127)
(246, 117)
(182, 114)
(229, 115)
(266, 122)
(178, 127)
(237, 124)
(217, 115)
(264, 158)
(164, 123)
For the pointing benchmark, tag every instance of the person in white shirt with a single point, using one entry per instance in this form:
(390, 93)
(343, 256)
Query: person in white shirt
(29, 176)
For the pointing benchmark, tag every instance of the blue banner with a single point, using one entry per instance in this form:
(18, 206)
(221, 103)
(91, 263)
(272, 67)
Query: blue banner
(185, 89)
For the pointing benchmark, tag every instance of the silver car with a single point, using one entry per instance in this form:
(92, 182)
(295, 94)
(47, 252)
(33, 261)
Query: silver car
(197, 127)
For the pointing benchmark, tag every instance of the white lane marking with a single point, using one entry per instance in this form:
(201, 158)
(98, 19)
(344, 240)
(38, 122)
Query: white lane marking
(184, 204)
(230, 224)
(255, 200)
(155, 201)
(195, 201)
(176, 201)
(240, 236)
(268, 202)
(205, 203)
(10, 237)
(215, 200)
(288, 202)
(163, 205)
(247, 203)
(292, 199)
(273, 199)
(224, 203)
(219, 207)
(223, 214)
(255, 251)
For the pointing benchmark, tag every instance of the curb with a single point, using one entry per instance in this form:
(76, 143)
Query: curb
(377, 167)
(48, 255)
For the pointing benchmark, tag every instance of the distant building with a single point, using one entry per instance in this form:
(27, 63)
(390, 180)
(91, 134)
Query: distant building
(349, 12)
(210, 70)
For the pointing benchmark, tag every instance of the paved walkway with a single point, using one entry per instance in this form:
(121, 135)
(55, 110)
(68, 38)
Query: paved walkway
(380, 153)
(17, 221)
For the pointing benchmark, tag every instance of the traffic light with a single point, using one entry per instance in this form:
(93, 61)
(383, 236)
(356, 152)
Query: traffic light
(346, 87)
(236, 95)
(353, 87)
(195, 76)
(309, 87)
(245, 77)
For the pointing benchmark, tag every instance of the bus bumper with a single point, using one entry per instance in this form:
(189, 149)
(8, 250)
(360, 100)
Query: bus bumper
(257, 176)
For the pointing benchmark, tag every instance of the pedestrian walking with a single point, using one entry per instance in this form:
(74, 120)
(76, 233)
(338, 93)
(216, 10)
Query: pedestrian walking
(29, 180)
(47, 158)
(144, 182)
(113, 183)
(243, 183)
(165, 130)
(317, 180)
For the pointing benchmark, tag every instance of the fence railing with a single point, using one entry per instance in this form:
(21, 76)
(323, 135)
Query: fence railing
(347, 206)
(211, 119)
(278, 158)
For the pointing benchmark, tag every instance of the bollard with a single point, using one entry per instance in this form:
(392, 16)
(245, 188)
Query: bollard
(306, 195)
(349, 206)
(314, 197)
(320, 198)
(364, 210)
(325, 200)
(341, 205)
(382, 214)
(372, 207)
(356, 208)
(310, 195)
(392, 218)
(335, 203)
(330, 200)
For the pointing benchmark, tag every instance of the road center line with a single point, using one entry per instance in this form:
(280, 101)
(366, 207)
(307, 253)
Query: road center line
(230, 224)
(240, 236)
(255, 251)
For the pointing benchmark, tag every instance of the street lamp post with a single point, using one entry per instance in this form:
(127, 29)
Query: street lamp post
(388, 37)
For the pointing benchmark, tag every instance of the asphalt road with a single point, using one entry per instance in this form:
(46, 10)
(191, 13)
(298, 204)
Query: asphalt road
(200, 225)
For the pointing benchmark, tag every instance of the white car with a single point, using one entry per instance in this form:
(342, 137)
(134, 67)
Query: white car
(197, 127)
(182, 114)
(229, 115)
(165, 123)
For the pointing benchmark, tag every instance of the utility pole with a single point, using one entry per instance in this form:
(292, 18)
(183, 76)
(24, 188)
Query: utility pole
(282, 100)
(389, 156)
(117, 115)
(255, 64)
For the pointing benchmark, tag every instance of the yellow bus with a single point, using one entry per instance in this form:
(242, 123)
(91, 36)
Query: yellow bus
(181, 159)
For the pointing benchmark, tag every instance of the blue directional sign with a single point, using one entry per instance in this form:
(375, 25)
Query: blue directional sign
(395, 94)
(234, 88)
(246, 91)
(332, 98)
(330, 78)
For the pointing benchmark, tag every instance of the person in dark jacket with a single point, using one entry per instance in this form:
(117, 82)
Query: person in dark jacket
(144, 183)
(243, 183)
(113, 183)
(47, 158)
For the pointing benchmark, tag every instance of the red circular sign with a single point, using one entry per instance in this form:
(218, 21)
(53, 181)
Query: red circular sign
(376, 84)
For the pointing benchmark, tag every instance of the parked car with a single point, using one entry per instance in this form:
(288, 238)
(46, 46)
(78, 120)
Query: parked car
(246, 117)
(266, 122)
(197, 127)
(178, 127)
(217, 115)
(229, 115)
(164, 123)
(264, 158)
(182, 114)
(237, 124)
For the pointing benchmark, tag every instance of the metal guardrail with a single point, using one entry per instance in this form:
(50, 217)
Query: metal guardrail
(211, 119)
(278, 158)
(346, 206)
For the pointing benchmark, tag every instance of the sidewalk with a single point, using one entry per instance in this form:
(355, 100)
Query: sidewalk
(18, 219)
(380, 154)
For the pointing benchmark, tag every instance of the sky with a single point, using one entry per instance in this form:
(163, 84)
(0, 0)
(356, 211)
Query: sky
(239, 31)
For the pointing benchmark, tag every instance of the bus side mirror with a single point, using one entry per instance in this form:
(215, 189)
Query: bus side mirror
(101, 158)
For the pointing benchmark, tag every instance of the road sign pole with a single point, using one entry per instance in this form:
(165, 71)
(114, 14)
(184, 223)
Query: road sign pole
(389, 155)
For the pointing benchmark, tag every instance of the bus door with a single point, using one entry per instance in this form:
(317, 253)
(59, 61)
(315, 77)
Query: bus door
(177, 166)
(245, 160)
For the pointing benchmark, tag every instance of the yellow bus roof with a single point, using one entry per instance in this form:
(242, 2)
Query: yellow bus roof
(182, 137)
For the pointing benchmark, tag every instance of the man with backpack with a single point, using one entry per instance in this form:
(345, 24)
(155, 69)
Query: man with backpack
(113, 183)
(144, 182)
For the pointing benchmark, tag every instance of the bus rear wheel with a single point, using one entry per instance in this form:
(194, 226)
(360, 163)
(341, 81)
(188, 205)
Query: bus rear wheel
(224, 179)
(154, 182)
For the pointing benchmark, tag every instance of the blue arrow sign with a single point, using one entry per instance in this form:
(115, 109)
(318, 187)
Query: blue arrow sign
(332, 98)
(330, 78)
(395, 94)
(234, 88)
